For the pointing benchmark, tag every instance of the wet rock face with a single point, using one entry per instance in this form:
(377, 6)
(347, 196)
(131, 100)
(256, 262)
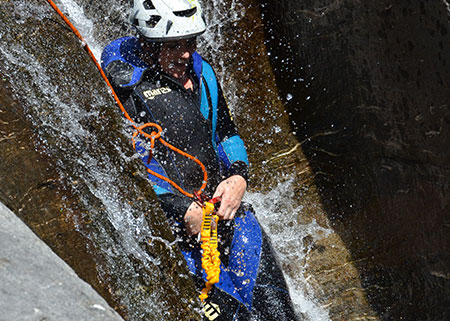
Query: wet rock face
(31, 186)
(368, 87)
(66, 169)
(311, 260)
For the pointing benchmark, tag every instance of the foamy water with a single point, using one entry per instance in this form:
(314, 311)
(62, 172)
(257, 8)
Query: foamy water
(279, 219)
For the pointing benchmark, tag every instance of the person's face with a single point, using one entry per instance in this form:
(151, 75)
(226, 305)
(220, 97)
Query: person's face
(175, 55)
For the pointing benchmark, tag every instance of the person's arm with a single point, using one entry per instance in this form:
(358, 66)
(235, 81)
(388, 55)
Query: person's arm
(233, 155)
(175, 206)
(231, 148)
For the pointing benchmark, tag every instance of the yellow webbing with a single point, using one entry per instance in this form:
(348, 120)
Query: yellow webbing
(210, 256)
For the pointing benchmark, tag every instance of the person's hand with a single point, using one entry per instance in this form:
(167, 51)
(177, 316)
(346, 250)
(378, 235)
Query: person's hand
(193, 219)
(230, 193)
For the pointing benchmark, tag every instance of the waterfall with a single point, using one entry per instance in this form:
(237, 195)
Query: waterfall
(277, 218)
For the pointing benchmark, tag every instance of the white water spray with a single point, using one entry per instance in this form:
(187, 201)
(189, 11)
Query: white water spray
(279, 219)
(84, 25)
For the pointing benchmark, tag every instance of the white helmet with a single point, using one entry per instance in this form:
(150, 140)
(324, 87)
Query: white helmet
(165, 20)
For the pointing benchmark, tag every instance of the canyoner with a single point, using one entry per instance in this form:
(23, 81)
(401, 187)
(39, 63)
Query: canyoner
(197, 163)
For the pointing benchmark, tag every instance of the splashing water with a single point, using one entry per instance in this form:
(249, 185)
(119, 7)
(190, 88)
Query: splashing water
(218, 16)
(278, 218)
(274, 211)
(119, 231)
(85, 26)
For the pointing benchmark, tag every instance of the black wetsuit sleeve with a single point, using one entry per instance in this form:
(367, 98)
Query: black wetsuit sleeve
(175, 206)
(226, 129)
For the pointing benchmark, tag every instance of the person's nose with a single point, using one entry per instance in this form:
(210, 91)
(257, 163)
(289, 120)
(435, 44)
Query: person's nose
(186, 54)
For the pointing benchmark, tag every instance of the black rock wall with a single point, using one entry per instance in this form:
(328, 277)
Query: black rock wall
(366, 85)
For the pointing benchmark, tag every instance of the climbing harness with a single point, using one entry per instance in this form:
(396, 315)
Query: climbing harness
(210, 255)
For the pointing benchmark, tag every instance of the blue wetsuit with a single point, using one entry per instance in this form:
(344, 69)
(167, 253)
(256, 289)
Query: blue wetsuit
(198, 122)
(251, 285)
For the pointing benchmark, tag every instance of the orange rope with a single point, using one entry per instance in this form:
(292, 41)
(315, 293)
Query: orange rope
(210, 255)
(157, 135)
(139, 130)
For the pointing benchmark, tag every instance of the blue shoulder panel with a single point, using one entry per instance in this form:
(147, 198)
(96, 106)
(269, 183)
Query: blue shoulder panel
(209, 76)
(232, 150)
(197, 65)
(123, 49)
(205, 74)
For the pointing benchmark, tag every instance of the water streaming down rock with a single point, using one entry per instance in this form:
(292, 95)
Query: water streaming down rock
(223, 19)
(122, 238)
(87, 174)
(268, 134)
(276, 155)
(278, 217)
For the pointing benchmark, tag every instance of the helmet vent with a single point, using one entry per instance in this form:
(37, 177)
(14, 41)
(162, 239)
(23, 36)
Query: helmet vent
(186, 13)
(148, 4)
(153, 21)
(169, 25)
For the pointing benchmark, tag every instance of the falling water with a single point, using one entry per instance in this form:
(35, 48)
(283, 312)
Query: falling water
(277, 218)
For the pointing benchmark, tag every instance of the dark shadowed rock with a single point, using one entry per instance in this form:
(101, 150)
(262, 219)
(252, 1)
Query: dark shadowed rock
(369, 86)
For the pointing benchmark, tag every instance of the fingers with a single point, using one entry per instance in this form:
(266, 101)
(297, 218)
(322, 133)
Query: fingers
(230, 193)
(229, 215)
(219, 191)
(228, 208)
(193, 219)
